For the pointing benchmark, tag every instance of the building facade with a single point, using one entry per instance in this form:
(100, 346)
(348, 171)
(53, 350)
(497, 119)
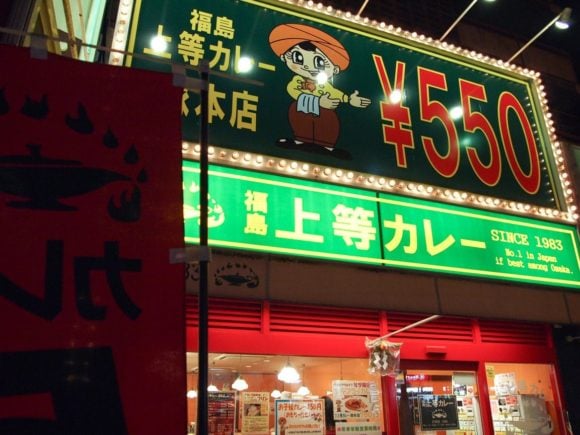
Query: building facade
(492, 343)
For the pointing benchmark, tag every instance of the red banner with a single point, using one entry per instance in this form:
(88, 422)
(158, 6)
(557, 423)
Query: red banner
(92, 313)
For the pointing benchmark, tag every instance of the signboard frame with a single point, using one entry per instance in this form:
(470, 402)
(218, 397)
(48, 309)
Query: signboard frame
(290, 216)
(557, 204)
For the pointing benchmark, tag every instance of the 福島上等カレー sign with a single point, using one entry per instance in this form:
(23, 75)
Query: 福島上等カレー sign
(270, 213)
(329, 93)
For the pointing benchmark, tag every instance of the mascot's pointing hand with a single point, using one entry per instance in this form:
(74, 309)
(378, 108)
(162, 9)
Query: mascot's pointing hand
(356, 101)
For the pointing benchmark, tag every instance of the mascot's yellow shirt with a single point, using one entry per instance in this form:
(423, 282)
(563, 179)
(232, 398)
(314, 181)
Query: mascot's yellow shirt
(300, 85)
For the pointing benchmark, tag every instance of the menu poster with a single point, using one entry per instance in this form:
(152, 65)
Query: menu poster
(504, 383)
(355, 399)
(438, 412)
(221, 412)
(255, 412)
(466, 413)
(305, 417)
(358, 428)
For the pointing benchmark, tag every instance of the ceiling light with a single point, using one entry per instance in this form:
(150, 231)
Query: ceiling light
(289, 374)
(191, 394)
(276, 394)
(240, 384)
(303, 391)
(212, 387)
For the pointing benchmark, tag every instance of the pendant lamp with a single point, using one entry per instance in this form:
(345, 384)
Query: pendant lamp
(303, 390)
(240, 384)
(288, 374)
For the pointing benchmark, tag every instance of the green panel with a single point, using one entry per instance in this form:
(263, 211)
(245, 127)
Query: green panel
(385, 139)
(294, 217)
(458, 240)
(270, 213)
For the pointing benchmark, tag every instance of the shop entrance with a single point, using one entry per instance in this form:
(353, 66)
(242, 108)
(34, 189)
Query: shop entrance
(441, 402)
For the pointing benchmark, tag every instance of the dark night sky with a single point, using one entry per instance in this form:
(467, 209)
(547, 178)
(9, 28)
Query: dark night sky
(522, 19)
(517, 19)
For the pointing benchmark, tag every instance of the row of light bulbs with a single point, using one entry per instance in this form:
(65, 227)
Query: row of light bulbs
(351, 178)
(288, 375)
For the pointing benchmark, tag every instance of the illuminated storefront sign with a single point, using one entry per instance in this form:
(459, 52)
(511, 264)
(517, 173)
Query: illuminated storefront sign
(353, 98)
(270, 213)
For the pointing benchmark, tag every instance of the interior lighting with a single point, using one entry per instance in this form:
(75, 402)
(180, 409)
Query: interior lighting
(191, 394)
(303, 391)
(289, 374)
(212, 387)
(240, 384)
(276, 394)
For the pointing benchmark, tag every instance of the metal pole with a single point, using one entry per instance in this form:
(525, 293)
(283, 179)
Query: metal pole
(412, 325)
(202, 396)
(362, 8)
(405, 328)
(517, 53)
(458, 20)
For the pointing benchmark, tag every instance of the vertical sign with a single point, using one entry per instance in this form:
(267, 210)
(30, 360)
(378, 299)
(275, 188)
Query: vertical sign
(221, 412)
(90, 204)
(255, 413)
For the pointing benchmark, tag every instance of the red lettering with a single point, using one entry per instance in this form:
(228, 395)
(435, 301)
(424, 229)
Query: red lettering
(397, 130)
(489, 173)
(530, 181)
(448, 163)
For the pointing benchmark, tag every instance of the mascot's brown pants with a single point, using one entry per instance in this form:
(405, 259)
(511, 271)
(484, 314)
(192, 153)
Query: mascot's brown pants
(321, 130)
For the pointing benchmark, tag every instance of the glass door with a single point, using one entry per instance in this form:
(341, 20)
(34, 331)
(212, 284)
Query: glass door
(438, 402)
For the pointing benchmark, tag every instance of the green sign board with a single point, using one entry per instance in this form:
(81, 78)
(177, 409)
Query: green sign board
(270, 213)
(330, 92)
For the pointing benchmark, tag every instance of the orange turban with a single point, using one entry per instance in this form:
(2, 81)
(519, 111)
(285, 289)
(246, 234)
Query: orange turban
(285, 36)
